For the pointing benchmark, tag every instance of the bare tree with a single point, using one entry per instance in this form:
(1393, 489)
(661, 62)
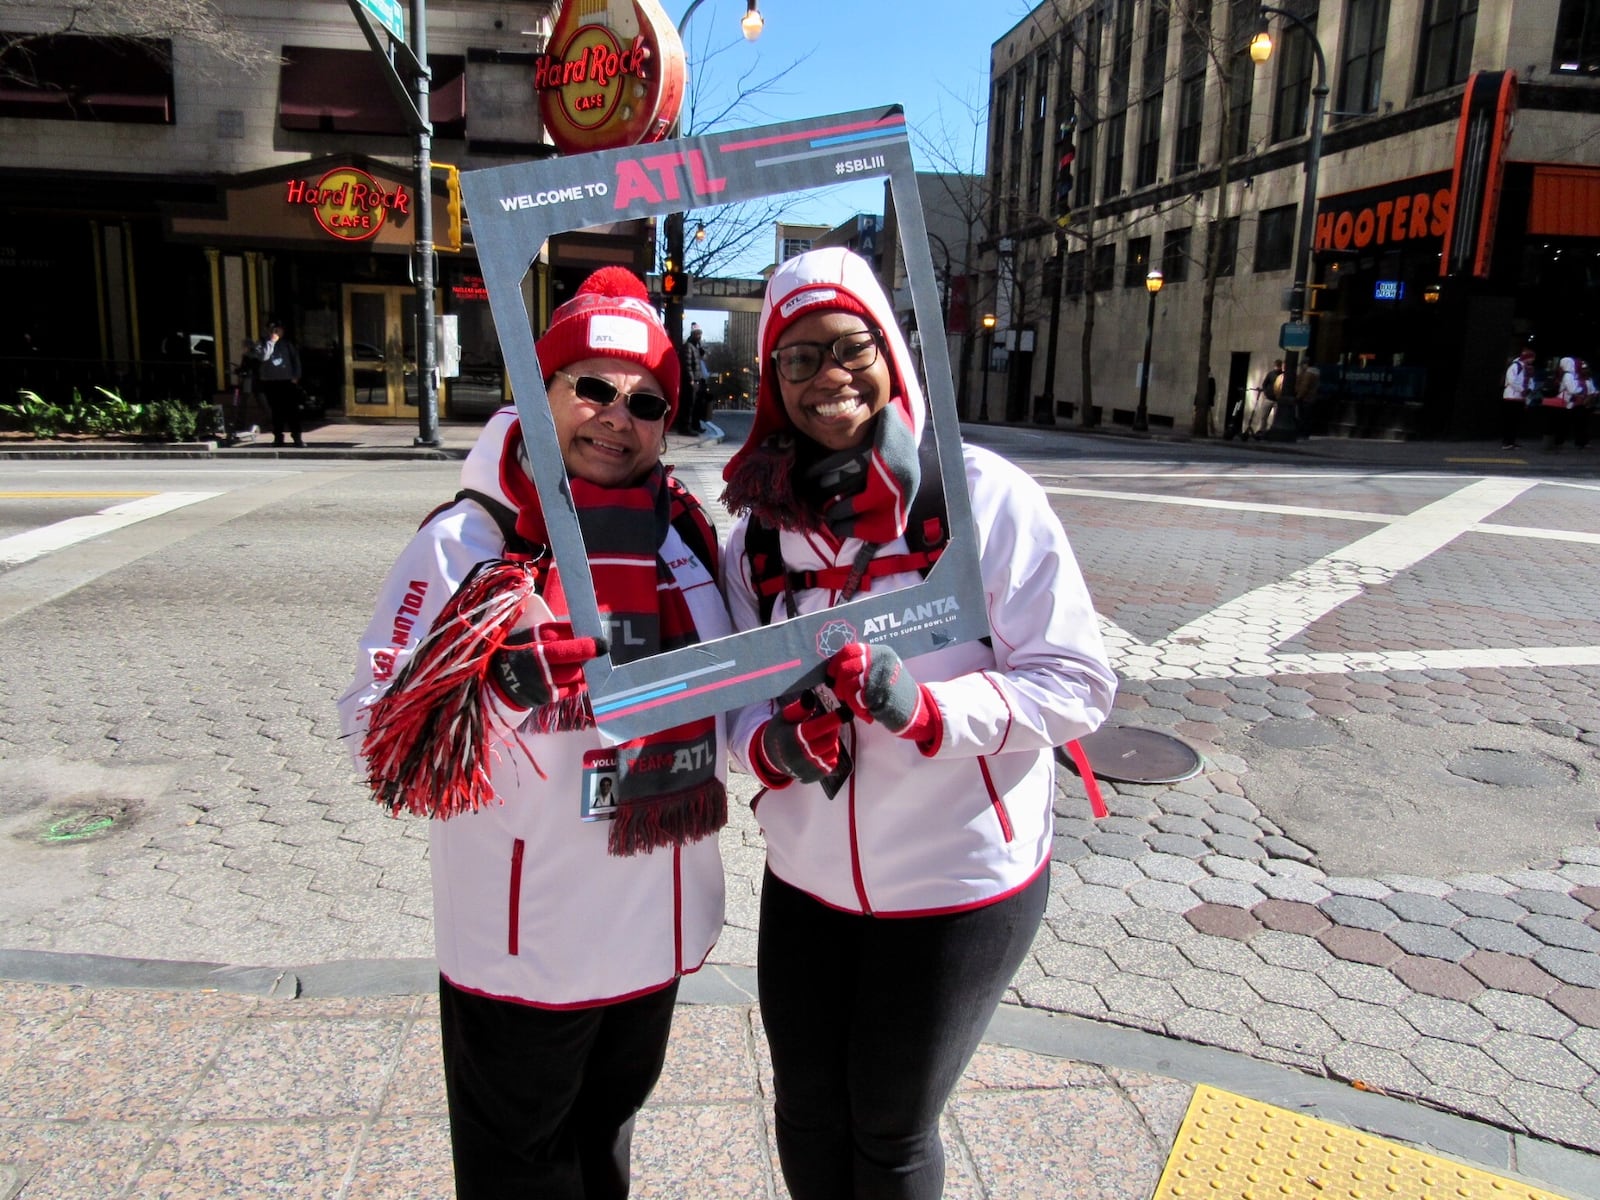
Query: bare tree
(158, 23)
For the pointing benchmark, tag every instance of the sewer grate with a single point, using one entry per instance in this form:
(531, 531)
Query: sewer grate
(1129, 754)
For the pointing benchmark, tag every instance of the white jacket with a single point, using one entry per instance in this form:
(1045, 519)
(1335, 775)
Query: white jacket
(527, 903)
(909, 834)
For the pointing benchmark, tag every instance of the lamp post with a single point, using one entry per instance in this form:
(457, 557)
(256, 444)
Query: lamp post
(750, 25)
(988, 361)
(1285, 416)
(1153, 283)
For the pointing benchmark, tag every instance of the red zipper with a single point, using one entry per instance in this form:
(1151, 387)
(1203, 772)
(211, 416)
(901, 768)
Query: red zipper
(516, 897)
(995, 801)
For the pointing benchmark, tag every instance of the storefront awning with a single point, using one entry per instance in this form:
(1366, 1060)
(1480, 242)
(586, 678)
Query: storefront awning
(1566, 202)
(74, 78)
(323, 90)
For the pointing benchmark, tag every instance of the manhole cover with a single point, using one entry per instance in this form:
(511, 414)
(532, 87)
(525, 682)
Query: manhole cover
(79, 826)
(1127, 754)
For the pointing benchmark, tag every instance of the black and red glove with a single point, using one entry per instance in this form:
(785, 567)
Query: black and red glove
(544, 665)
(801, 742)
(874, 684)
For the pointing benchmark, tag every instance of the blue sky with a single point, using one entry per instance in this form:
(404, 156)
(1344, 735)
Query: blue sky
(931, 57)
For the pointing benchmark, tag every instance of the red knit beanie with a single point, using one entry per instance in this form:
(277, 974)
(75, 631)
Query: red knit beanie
(611, 317)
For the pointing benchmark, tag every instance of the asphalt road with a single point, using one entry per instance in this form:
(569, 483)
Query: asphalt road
(1388, 870)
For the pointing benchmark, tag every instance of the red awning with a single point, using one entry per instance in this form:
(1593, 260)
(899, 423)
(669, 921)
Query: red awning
(322, 90)
(1566, 202)
(64, 77)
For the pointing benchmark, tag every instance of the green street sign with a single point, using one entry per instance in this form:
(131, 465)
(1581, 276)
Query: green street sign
(388, 14)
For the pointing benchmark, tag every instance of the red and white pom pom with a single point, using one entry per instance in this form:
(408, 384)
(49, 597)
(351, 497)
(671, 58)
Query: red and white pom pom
(427, 740)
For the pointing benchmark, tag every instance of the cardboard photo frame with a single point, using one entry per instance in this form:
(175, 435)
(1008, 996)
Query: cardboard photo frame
(515, 209)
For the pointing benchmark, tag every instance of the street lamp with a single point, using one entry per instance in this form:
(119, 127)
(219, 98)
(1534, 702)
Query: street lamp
(988, 361)
(1153, 283)
(1285, 415)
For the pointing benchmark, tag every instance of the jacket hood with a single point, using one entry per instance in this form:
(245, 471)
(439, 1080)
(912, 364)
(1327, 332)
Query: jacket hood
(820, 281)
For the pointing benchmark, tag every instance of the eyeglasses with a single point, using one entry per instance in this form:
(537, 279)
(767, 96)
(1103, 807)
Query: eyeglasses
(799, 361)
(646, 406)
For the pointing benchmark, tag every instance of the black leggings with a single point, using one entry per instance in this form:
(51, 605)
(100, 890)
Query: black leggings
(542, 1101)
(871, 1021)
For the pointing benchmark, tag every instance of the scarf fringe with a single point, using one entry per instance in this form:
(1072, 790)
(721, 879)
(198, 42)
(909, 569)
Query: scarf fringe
(564, 716)
(427, 744)
(672, 819)
(763, 486)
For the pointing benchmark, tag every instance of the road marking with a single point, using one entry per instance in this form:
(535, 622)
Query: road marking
(22, 547)
(73, 495)
(1240, 637)
(1287, 510)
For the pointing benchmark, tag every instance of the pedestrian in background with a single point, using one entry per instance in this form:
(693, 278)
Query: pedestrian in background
(1560, 402)
(555, 1024)
(278, 376)
(899, 898)
(1267, 397)
(1516, 394)
(1583, 413)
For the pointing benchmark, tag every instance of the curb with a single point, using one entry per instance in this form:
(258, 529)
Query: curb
(1035, 1031)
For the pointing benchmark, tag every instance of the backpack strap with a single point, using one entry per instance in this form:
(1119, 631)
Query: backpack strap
(694, 527)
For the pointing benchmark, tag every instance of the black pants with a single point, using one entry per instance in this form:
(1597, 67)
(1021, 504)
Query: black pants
(871, 1021)
(283, 401)
(1510, 421)
(543, 1101)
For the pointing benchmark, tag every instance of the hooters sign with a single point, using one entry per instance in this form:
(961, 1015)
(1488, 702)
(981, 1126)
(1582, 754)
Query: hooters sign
(613, 75)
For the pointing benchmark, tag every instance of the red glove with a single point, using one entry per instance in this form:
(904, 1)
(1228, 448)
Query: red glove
(873, 683)
(798, 743)
(542, 666)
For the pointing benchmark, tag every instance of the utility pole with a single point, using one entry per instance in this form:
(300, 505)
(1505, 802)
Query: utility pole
(427, 349)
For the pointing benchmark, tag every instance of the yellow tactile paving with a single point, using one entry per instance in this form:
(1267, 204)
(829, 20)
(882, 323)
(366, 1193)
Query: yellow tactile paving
(1233, 1148)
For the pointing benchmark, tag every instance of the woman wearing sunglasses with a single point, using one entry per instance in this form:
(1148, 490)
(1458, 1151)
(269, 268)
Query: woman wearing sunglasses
(898, 901)
(554, 1020)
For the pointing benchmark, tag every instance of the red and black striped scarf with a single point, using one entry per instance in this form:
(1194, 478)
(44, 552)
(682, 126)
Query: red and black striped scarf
(667, 788)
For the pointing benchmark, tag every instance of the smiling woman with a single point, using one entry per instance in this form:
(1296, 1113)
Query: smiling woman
(554, 1025)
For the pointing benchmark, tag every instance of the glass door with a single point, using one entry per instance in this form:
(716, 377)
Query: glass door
(380, 351)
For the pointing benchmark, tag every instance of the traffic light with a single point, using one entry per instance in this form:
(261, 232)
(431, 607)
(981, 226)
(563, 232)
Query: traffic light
(674, 283)
(452, 236)
(1065, 153)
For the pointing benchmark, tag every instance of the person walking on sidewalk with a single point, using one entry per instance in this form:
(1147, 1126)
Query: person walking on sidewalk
(555, 1021)
(899, 898)
(1559, 403)
(278, 377)
(1516, 394)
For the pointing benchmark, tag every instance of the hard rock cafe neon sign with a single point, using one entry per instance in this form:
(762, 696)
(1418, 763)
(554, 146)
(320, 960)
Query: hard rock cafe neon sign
(613, 75)
(349, 203)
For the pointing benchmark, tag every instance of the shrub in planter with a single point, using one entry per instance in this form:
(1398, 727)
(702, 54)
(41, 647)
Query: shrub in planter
(35, 414)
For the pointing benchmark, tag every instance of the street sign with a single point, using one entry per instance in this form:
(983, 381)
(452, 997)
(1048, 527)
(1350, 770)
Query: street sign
(1294, 335)
(388, 14)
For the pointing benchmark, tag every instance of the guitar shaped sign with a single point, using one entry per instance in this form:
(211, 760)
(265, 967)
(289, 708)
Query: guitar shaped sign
(613, 75)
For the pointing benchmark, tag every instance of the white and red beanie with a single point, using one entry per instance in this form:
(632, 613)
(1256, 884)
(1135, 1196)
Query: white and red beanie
(611, 317)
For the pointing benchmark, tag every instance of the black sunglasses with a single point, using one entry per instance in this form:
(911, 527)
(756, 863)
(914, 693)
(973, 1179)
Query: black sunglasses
(800, 361)
(647, 406)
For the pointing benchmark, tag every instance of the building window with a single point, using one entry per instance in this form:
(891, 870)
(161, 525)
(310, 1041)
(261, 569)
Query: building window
(1077, 263)
(1296, 61)
(1144, 173)
(1192, 59)
(1105, 265)
(1366, 24)
(1083, 168)
(1275, 239)
(1116, 137)
(1227, 246)
(324, 89)
(1175, 255)
(1241, 80)
(1577, 38)
(1448, 27)
(1138, 262)
(64, 77)
(792, 248)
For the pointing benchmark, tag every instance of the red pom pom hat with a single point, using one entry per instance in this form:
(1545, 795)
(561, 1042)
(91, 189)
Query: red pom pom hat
(611, 317)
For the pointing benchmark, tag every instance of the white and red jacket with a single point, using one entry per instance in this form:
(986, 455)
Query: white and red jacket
(910, 834)
(528, 905)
